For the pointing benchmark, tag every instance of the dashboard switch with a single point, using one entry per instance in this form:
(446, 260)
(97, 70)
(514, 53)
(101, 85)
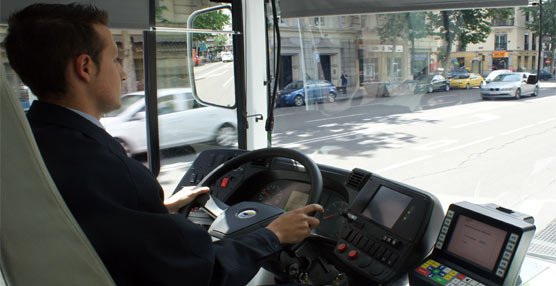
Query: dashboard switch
(224, 183)
(342, 247)
(353, 254)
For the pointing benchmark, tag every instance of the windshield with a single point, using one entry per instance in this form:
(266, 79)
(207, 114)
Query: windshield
(386, 114)
(507, 78)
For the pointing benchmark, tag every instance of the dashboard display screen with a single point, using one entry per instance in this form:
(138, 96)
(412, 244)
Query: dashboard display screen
(477, 242)
(386, 206)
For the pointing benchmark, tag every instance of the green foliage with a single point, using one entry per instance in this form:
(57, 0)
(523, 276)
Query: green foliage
(402, 25)
(220, 42)
(466, 26)
(210, 21)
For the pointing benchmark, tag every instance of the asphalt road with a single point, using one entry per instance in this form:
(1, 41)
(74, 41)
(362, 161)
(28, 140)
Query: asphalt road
(452, 144)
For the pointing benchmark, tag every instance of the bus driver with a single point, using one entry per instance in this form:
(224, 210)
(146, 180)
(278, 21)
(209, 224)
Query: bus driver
(66, 55)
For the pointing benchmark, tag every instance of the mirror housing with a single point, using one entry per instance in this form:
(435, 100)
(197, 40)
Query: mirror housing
(212, 85)
(140, 115)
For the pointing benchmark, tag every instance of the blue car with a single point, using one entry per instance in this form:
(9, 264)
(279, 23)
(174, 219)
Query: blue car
(317, 91)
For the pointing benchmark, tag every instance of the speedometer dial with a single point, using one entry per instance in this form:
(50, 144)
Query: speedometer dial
(271, 194)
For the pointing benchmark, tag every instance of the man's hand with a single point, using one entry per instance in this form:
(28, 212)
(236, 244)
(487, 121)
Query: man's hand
(184, 197)
(296, 225)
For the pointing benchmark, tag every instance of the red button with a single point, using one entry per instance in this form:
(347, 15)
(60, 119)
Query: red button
(342, 247)
(423, 271)
(224, 182)
(460, 276)
(352, 254)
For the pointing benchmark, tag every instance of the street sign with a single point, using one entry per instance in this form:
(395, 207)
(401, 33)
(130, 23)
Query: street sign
(547, 61)
(203, 47)
(316, 57)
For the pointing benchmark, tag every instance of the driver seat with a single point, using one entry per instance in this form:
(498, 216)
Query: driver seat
(40, 241)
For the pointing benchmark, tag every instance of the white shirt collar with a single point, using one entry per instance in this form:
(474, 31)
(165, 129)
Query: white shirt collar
(88, 117)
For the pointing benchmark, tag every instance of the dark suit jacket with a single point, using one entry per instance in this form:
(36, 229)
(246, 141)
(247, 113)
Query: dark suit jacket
(119, 205)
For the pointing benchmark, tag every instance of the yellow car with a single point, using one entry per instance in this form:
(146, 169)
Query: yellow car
(466, 80)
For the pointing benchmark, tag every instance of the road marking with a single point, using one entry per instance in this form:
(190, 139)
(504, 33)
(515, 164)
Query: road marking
(285, 114)
(517, 129)
(468, 144)
(337, 117)
(435, 144)
(482, 118)
(404, 163)
(548, 120)
(228, 81)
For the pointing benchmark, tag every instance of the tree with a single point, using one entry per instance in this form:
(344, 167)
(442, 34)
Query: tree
(220, 42)
(464, 27)
(402, 26)
(548, 25)
(210, 21)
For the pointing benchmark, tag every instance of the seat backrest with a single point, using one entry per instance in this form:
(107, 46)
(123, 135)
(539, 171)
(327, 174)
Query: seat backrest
(40, 241)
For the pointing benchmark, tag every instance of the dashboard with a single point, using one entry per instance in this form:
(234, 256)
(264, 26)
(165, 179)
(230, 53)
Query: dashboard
(372, 229)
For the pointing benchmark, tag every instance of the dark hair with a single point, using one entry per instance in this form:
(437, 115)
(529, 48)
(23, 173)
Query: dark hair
(43, 38)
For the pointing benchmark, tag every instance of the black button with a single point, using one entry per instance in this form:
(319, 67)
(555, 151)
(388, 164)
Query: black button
(395, 243)
(379, 252)
(376, 269)
(193, 178)
(357, 224)
(364, 261)
(392, 259)
(367, 247)
(386, 255)
(357, 238)
(373, 248)
(362, 243)
(352, 236)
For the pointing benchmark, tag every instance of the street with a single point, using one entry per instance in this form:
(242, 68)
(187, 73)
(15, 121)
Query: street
(451, 144)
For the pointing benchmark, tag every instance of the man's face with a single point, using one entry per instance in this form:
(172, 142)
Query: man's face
(106, 87)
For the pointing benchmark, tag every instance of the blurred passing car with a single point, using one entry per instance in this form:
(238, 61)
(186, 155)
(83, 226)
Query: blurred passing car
(227, 56)
(466, 80)
(493, 74)
(431, 83)
(181, 120)
(512, 85)
(317, 91)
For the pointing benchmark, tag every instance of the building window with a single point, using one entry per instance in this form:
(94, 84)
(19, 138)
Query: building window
(533, 43)
(501, 42)
(319, 21)
(526, 40)
(534, 63)
(527, 17)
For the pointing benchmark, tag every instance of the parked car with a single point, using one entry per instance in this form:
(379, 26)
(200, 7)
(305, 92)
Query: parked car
(181, 120)
(456, 72)
(227, 57)
(317, 91)
(431, 83)
(466, 80)
(544, 74)
(493, 74)
(510, 85)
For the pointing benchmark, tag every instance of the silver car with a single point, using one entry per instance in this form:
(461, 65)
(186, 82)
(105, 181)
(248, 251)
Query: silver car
(510, 85)
(181, 119)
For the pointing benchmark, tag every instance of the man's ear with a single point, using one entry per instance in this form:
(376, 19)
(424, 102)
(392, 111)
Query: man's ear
(84, 67)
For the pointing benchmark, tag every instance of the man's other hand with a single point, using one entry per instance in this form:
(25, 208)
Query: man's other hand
(296, 225)
(184, 197)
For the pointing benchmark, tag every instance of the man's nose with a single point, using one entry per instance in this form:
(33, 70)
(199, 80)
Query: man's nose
(123, 75)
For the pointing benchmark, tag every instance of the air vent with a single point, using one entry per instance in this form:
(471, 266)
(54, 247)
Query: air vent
(357, 178)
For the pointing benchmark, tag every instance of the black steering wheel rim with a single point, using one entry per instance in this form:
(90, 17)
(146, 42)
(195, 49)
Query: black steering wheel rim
(310, 166)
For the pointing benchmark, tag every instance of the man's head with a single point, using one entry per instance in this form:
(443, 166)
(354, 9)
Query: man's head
(54, 48)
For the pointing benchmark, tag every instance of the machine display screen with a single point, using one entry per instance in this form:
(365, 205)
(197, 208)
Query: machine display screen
(476, 242)
(386, 206)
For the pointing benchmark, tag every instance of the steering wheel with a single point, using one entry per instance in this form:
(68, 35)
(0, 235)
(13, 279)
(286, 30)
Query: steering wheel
(247, 216)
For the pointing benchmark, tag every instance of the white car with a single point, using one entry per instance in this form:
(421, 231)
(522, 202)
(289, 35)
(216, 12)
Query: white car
(510, 85)
(227, 57)
(493, 74)
(181, 120)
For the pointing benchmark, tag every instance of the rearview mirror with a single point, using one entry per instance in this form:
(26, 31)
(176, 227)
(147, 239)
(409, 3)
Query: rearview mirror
(210, 56)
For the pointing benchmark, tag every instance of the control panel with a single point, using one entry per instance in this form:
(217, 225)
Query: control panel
(390, 228)
(477, 245)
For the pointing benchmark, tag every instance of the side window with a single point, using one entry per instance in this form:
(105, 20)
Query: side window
(166, 105)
